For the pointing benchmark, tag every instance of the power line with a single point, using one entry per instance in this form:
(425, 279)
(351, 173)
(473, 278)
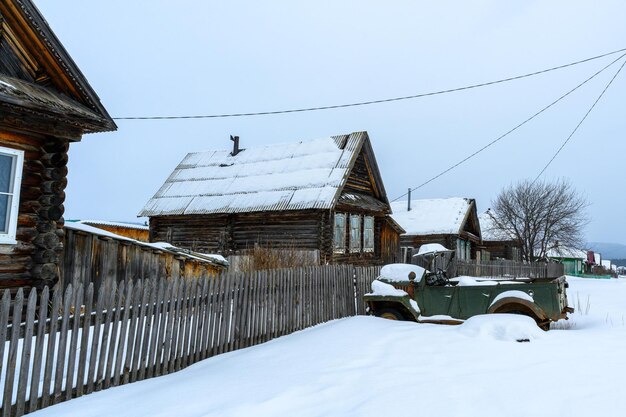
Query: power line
(365, 103)
(580, 123)
(513, 129)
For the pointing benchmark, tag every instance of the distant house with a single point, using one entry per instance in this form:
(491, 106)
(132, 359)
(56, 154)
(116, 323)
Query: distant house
(135, 231)
(325, 197)
(452, 222)
(45, 104)
(573, 259)
(496, 244)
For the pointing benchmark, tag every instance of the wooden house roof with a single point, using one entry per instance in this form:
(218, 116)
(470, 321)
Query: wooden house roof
(39, 78)
(291, 176)
(440, 216)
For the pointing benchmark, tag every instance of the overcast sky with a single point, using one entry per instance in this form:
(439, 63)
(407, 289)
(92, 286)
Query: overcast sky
(207, 57)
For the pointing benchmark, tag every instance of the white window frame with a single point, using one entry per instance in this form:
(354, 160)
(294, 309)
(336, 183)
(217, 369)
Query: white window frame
(339, 247)
(365, 229)
(355, 242)
(15, 184)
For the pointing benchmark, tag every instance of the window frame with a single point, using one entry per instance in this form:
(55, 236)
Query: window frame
(356, 244)
(365, 229)
(339, 248)
(15, 184)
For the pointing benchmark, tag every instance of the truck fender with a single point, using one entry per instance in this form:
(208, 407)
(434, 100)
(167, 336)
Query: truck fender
(518, 305)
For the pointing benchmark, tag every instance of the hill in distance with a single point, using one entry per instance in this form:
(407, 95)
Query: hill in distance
(609, 250)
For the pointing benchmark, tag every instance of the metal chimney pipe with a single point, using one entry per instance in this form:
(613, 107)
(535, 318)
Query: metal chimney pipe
(409, 201)
(236, 149)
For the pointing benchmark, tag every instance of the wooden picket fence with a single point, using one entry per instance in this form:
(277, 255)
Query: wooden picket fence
(66, 344)
(505, 269)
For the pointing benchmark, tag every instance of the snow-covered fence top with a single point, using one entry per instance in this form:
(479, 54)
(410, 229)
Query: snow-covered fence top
(58, 345)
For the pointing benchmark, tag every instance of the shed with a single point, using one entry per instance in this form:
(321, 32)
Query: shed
(451, 222)
(323, 196)
(45, 104)
(140, 232)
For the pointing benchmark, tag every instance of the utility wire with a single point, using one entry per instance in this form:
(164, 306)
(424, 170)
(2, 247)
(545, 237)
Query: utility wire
(513, 129)
(580, 123)
(365, 103)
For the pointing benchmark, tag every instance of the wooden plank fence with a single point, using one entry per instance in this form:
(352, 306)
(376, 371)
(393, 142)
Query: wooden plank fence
(62, 344)
(505, 269)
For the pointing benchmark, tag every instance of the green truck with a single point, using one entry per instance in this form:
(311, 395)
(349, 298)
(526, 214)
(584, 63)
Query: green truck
(409, 292)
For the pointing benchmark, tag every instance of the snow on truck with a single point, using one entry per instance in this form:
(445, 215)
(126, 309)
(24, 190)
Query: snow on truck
(409, 292)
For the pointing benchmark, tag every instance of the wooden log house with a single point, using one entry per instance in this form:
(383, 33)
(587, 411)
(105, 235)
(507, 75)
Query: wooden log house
(495, 243)
(451, 222)
(324, 196)
(45, 104)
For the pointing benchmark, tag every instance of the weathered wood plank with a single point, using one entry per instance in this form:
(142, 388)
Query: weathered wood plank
(82, 358)
(209, 320)
(159, 354)
(62, 348)
(39, 349)
(191, 288)
(26, 353)
(51, 348)
(110, 336)
(143, 332)
(95, 342)
(156, 314)
(177, 333)
(132, 331)
(121, 340)
(171, 321)
(12, 354)
(71, 361)
(197, 322)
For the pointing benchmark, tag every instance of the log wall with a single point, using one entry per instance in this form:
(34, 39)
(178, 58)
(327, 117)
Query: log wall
(33, 261)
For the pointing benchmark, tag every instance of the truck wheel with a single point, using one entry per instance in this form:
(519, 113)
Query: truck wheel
(389, 314)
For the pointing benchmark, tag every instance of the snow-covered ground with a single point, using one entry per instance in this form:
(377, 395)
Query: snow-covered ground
(365, 366)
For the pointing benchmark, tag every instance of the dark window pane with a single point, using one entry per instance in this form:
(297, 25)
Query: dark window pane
(5, 200)
(6, 165)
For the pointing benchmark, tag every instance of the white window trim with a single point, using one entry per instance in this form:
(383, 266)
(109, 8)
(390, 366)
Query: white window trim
(9, 237)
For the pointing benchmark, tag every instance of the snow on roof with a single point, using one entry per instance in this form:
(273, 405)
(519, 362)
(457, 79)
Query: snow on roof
(432, 216)
(489, 230)
(565, 252)
(164, 246)
(115, 224)
(289, 176)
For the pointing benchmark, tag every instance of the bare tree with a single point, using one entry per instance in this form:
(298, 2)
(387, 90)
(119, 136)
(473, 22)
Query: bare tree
(541, 216)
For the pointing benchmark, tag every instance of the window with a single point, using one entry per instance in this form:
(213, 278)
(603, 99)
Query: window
(355, 233)
(339, 238)
(11, 162)
(368, 234)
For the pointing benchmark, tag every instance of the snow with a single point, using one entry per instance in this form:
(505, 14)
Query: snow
(381, 288)
(400, 272)
(514, 294)
(7, 85)
(565, 252)
(115, 224)
(506, 327)
(431, 247)
(430, 217)
(355, 366)
(465, 281)
(288, 176)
